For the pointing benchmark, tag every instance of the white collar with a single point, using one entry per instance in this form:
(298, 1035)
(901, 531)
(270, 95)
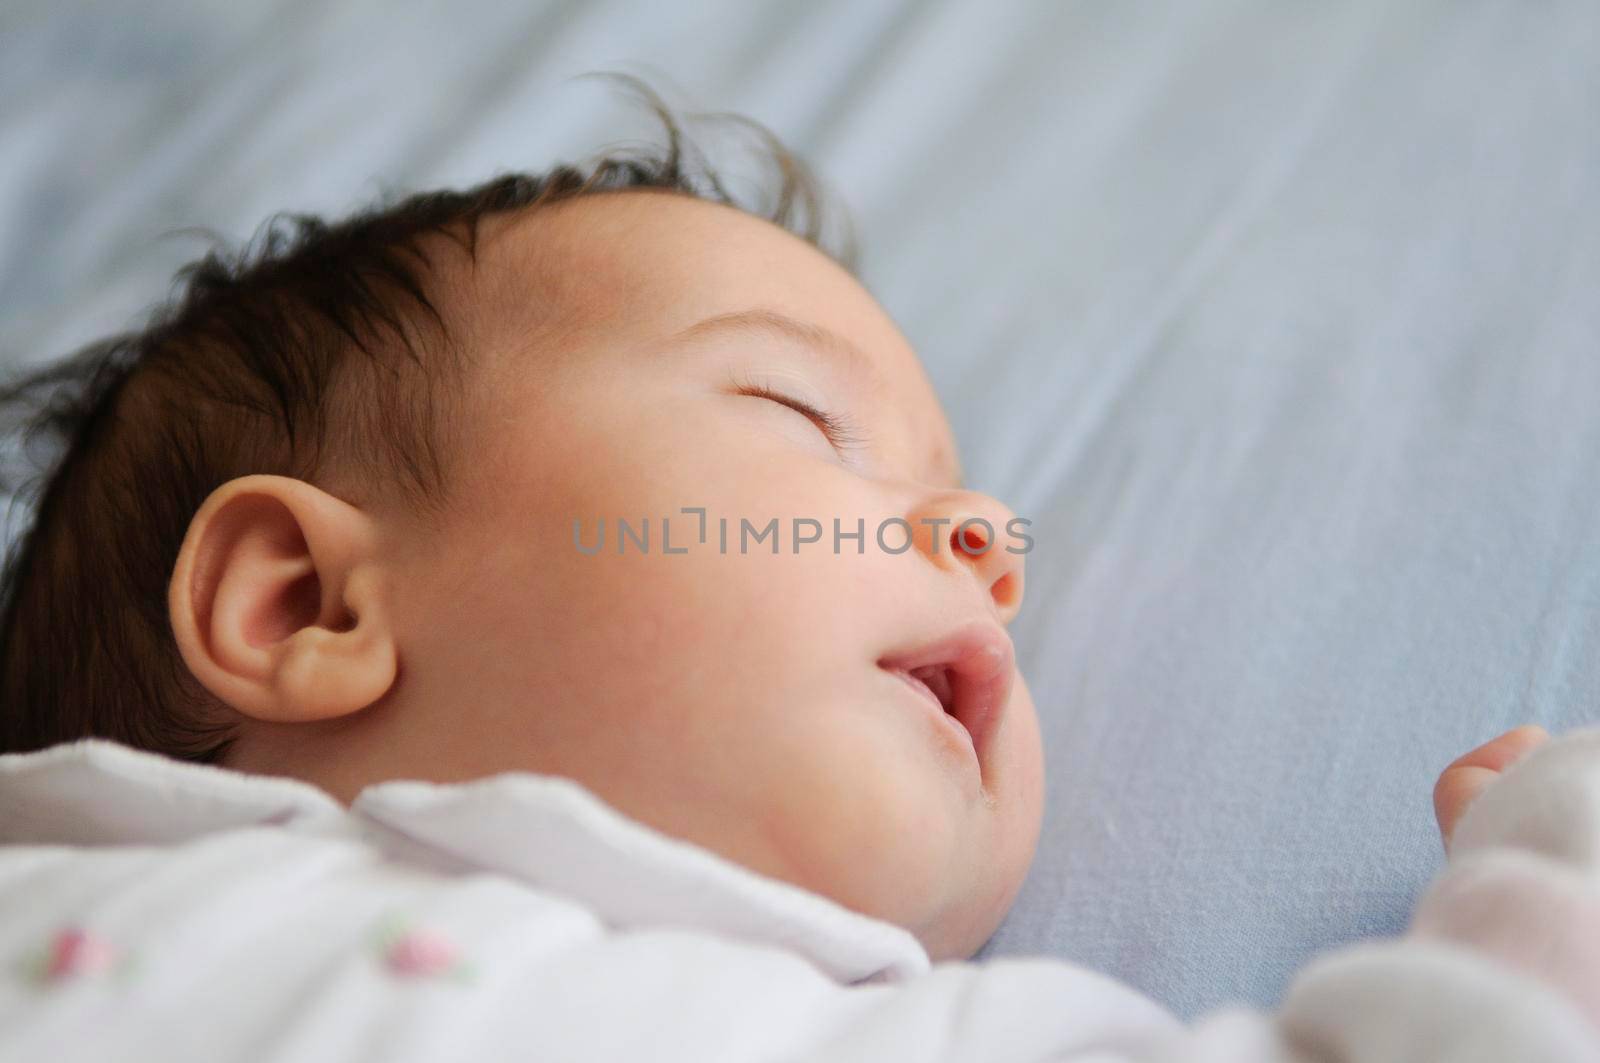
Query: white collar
(545, 830)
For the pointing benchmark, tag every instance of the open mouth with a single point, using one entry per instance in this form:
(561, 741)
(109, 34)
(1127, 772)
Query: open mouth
(966, 675)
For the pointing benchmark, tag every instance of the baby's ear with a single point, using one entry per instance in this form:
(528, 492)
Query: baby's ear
(279, 602)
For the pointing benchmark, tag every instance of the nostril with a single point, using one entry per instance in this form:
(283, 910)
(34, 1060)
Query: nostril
(970, 540)
(1004, 590)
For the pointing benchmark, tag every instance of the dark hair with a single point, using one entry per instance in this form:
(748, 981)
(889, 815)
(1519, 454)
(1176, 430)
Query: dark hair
(317, 346)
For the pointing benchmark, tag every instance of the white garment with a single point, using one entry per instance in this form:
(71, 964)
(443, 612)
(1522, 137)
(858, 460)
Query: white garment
(156, 910)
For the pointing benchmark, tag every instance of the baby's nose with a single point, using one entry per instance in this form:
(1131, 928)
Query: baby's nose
(965, 530)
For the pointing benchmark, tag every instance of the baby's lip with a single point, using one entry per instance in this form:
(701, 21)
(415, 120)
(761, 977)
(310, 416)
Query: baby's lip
(977, 659)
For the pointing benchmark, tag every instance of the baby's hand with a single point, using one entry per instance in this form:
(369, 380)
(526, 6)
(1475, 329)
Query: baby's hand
(1469, 774)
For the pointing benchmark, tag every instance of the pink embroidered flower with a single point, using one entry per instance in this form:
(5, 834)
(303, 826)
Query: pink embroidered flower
(75, 951)
(420, 953)
(412, 951)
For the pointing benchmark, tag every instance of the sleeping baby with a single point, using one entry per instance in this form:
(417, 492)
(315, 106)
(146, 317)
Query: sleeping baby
(549, 621)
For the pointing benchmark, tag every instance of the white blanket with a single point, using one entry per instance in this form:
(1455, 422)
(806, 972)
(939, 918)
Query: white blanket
(154, 910)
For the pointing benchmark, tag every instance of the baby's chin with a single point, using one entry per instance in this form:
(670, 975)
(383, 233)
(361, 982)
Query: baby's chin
(951, 901)
(958, 933)
(955, 883)
(971, 920)
(1015, 788)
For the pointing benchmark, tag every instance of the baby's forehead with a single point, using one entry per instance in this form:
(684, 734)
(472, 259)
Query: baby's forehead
(637, 244)
(665, 269)
(611, 259)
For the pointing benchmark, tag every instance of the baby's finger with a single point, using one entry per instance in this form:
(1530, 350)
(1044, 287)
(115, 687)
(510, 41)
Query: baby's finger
(1457, 788)
(1497, 754)
(1469, 774)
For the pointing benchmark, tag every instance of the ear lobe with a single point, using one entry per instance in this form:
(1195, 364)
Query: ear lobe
(278, 602)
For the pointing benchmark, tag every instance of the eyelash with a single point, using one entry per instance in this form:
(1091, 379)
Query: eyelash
(841, 431)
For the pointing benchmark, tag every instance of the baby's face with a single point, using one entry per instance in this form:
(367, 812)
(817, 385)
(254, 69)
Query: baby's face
(743, 699)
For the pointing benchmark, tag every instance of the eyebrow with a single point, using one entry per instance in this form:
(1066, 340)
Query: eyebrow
(762, 321)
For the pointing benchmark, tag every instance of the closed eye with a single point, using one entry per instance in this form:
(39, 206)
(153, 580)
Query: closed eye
(841, 432)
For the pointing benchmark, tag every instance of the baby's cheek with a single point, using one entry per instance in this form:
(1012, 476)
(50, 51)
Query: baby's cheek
(640, 630)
